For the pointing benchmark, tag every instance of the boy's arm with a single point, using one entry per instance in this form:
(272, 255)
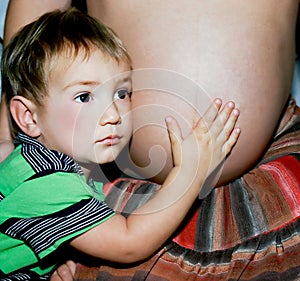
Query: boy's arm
(135, 238)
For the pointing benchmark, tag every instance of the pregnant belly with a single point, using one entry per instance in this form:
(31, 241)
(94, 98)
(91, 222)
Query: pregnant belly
(186, 55)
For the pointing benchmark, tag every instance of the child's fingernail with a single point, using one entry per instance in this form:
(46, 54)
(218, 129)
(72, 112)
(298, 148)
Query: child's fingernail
(231, 104)
(168, 119)
(218, 101)
(236, 112)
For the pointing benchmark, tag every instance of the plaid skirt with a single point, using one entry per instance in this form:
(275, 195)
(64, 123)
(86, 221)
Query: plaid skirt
(246, 230)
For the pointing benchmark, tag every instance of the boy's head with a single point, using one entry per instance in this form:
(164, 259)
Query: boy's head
(29, 57)
(68, 84)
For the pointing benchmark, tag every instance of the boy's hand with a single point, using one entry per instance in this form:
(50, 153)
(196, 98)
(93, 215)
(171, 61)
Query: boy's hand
(65, 272)
(211, 139)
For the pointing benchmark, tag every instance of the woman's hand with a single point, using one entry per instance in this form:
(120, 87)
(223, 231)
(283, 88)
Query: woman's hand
(65, 272)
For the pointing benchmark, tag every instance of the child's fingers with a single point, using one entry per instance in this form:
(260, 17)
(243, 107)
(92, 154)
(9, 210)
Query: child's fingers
(230, 122)
(235, 133)
(226, 111)
(173, 129)
(209, 116)
(175, 136)
(223, 118)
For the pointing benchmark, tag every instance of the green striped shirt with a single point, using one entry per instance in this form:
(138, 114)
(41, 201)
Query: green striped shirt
(45, 201)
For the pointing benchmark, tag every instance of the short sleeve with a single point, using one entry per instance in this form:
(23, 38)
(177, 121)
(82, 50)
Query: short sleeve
(45, 212)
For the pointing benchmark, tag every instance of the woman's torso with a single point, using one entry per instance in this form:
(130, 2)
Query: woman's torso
(236, 50)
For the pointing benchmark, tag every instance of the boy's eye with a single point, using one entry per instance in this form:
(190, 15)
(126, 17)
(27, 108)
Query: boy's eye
(83, 98)
(122, 94)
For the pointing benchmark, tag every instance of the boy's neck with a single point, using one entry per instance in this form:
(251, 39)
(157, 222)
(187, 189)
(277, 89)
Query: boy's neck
(88, 169)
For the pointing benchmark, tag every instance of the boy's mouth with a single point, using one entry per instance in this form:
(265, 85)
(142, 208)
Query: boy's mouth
(110, 140)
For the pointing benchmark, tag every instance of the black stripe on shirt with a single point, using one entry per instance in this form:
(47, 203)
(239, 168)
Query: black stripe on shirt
(42, 159)
(42, 232)
(23, 276)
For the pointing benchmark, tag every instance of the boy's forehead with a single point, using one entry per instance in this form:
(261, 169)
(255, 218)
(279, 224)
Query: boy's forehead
(69, 55)
(94, 65)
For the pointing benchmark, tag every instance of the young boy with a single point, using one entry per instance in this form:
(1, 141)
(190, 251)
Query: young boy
(67, 79)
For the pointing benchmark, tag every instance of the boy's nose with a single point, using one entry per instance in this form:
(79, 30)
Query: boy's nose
(110, 116)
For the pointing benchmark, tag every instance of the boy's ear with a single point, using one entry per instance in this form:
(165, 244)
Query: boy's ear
(24, 113)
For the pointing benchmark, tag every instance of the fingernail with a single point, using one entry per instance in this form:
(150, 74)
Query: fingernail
(218, 101)
(231, 104)
(168, 119)
(236, 112)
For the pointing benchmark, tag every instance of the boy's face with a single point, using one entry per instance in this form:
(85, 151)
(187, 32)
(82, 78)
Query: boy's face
(86, 114)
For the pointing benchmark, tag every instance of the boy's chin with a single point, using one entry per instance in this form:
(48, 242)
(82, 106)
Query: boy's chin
(104, 159)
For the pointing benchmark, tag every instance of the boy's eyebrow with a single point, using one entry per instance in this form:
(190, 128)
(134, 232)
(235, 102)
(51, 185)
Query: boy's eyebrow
(95, 83)
(126, 79)
(79, 82)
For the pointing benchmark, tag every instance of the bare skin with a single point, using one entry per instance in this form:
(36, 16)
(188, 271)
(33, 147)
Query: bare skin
(236, 50)
(137, 241)
(12, 24)
(241, 50)
(65, 272)
(195, 157)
